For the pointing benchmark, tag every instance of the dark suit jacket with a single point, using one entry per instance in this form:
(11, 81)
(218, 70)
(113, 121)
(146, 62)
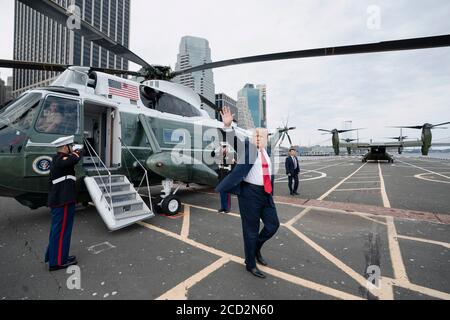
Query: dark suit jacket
(233, 182)
(290, 167)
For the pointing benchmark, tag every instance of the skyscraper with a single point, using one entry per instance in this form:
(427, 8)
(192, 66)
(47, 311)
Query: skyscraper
(245, 119)
(222, 100)
(196, 51)
(256, 102)
(263, 103)
(40, 39)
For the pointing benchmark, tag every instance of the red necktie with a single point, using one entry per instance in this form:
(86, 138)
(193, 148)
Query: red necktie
(266, 174)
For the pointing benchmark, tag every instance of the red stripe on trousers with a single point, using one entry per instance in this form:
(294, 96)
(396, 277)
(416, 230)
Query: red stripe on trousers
(61, 236)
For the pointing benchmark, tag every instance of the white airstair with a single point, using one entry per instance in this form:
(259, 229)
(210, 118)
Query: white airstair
(117, 201)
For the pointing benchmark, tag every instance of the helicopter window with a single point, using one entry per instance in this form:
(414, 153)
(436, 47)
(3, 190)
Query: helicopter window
(174, 136)
(19, 110)
(168, 103)
(59, 116)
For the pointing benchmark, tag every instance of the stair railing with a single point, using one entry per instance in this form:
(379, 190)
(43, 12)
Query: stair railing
(145, 176)
(109, 192)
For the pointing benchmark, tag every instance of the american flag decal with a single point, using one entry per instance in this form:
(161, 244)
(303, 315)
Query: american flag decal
(117, 88)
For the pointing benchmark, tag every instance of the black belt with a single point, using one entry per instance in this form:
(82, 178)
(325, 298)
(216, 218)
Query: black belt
(255, 186)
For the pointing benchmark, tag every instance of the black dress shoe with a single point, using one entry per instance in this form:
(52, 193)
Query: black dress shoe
(71, 258)
(64, 266)
(296, 193)
(260, 259)
(257, 273)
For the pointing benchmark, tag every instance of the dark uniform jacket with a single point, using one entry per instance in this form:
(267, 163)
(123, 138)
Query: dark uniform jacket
(290, 166)
(63, 192)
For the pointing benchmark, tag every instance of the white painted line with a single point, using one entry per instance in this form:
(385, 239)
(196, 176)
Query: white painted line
(422, 176)
(439, 243)
(101, 247)
(386, 202)
(358, 189)
(340, 183)
(358, 182)
(436, 173)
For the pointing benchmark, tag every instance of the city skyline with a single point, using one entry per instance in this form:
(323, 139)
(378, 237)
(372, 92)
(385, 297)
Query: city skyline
(195, 51)
(38, 38)
(410, 87)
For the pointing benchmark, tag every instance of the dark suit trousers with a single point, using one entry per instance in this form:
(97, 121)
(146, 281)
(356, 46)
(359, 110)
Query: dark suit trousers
(293, 180)
(255, 205)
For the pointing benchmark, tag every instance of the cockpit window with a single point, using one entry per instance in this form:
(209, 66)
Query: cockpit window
(59, 116)
(168, 103)
(19, 110)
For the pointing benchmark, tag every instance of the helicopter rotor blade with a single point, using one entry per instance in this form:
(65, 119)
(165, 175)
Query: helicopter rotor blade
(441, 124)
(350, 130)
(393, 45)
(289, 138)
(61, 15)
(407, 127)
(28, 65)
(282, 139)
(325, 130)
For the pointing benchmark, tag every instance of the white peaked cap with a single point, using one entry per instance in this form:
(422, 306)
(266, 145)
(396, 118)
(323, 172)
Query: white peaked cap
(64, 141)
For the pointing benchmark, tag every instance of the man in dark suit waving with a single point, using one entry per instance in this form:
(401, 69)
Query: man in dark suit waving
(252, 181)
(293, 170)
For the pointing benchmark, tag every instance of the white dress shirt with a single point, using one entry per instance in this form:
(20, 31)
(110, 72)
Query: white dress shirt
(255, 176)
(295, 162)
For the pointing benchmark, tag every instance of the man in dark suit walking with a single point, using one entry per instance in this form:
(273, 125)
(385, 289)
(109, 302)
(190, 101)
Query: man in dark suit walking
(293, 170)
(252, 181)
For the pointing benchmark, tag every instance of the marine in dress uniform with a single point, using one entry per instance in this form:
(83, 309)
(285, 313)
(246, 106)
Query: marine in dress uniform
(226, 164)
(61, 200)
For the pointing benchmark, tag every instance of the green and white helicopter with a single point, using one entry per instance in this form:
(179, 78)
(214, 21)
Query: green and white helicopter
(136, 133)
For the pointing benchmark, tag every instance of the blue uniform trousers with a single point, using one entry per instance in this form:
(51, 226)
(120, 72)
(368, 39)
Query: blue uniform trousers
(60, 235)
(255, 205)
(293, 183)
(225, 201)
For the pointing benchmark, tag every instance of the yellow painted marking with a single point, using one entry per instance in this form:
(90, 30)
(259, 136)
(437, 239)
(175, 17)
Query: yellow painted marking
(424, 290)
(386, 202)
(439, 243)
(186, 222)
(394, 249)
(180, 291)
(373, 220)
(386, 284)
(213, 210)
(340, 183)
(355, 213)
(284, 276)
(384, 291)
(298, 217)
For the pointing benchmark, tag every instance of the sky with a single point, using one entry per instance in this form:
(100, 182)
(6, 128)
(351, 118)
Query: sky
(373, 91)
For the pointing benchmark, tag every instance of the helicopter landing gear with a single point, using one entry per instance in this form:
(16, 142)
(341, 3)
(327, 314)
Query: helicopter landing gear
(168, 202)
